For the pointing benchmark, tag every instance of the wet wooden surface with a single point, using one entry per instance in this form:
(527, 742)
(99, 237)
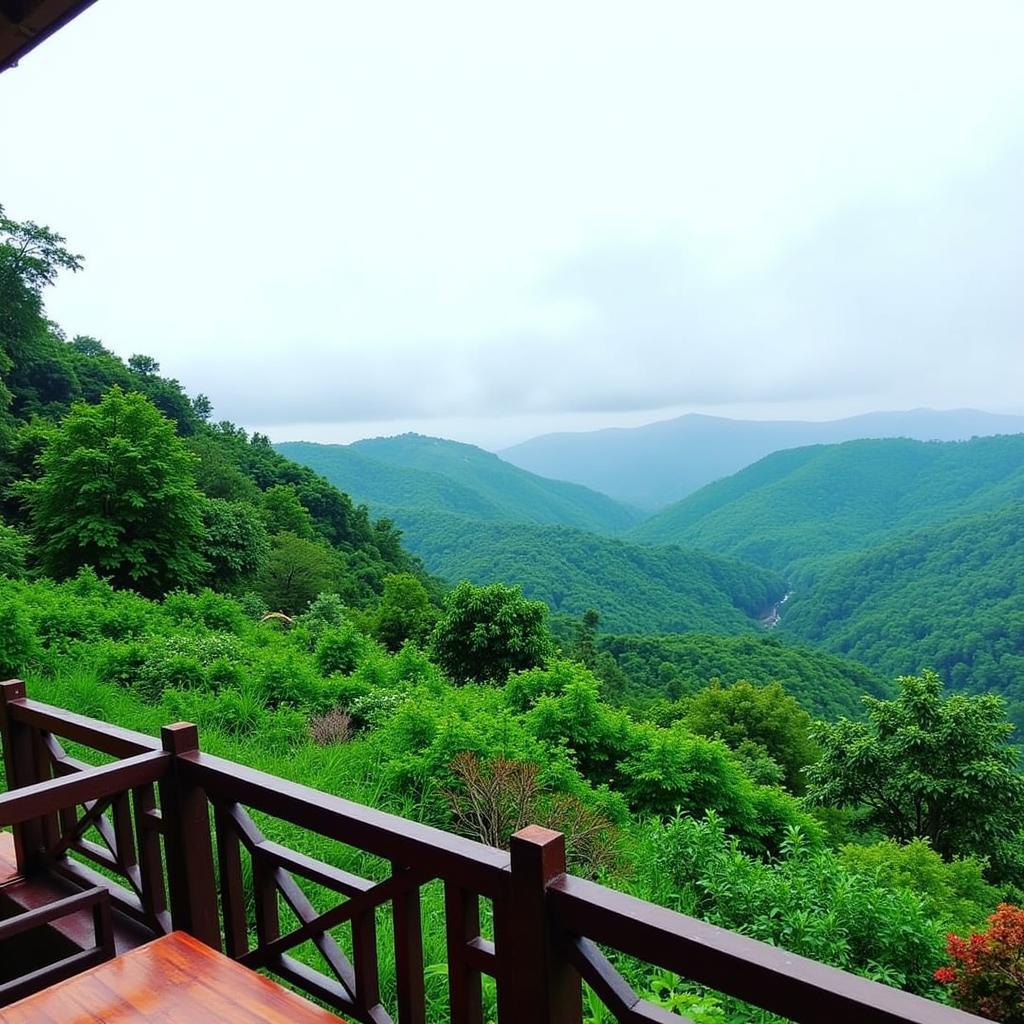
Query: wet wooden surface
(173, 980)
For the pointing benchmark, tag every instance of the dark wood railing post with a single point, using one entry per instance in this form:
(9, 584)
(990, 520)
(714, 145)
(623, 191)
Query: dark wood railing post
(20, 765)
(189, 848)
(535, 980)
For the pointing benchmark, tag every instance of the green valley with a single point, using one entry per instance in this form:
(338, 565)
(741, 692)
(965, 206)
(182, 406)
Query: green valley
(635, 588)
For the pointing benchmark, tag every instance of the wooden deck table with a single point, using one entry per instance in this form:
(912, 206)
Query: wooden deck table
(172, 980)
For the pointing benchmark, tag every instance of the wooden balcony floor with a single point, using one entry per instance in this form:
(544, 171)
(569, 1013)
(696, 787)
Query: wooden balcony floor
(172, 980)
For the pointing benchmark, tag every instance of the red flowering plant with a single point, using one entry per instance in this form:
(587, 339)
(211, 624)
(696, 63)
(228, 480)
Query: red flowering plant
(987, 973)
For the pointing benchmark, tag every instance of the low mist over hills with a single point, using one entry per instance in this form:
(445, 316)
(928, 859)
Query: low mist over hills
(659, 463)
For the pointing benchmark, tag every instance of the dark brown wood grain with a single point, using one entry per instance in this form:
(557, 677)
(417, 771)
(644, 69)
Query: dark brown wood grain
(173, 980)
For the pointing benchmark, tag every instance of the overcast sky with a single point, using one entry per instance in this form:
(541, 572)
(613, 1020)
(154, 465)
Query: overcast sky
(489, 220)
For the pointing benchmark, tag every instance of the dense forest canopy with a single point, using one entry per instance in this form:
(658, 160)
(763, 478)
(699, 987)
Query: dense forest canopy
(635, 587)
(808, 503)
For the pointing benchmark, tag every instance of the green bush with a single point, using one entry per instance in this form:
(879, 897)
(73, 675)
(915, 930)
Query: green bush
(806, 900)
(18, 644)
(341, 649)
(954, 892)
(206, 608)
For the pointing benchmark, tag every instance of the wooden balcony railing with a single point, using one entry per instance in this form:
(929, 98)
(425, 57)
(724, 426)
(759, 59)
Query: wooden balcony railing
(177, 832)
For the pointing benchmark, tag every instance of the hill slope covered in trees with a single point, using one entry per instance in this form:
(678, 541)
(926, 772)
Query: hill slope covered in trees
(950, 597)
(416, 472)
(636, 588)
(673, 666)
(105, 463)
(809, 503)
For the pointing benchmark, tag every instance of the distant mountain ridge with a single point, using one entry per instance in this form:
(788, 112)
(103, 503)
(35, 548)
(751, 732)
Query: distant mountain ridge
(654, 465)
(470, 515)
(412, 471)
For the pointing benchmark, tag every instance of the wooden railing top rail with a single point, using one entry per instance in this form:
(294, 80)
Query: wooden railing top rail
(43, 798)
(101, 736)
(441, 854)
(772, 978)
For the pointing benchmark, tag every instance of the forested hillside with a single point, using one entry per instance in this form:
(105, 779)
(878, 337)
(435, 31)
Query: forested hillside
(950, 597)
(428, 473)
(84, 434)
(651, 667)
(809, 503)
(635, 588)
(654, 465)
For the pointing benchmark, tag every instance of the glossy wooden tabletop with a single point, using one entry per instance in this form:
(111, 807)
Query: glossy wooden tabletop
(173, 980)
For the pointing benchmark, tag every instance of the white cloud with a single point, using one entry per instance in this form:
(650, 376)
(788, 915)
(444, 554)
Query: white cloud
(408, 212)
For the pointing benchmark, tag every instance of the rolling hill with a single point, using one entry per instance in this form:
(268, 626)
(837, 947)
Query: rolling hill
(416, 472)
(635, 588)
(948, 597)
(804, 504)
(653, 465)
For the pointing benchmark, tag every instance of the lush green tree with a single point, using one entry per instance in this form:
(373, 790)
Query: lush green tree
(31, 257)
(568, 713)
(284, 513)
(928, 766)
(584, 646)
(404, 612)
(485, 633)
(144, 366)
(117, 493)
(235, 544)
(766, 716)
(295, 571)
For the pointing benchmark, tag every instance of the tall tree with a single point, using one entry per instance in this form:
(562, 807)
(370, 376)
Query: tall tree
(486, 633)
(117, 493)
(928, 766)
(765, 717)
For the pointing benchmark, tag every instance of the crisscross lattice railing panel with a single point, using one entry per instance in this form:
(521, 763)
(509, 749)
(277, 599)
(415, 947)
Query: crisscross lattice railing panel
(129, 827)
(352, 984)
(254, 904)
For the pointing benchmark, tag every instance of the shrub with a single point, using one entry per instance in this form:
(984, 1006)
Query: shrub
(214, 611)
(120, 663)
(340, 650)
(334, 726)
(987, 974)
(326, 611)
(954, 892)
(13, 552)
(805, 900)
(287, 679)
(17, 640)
